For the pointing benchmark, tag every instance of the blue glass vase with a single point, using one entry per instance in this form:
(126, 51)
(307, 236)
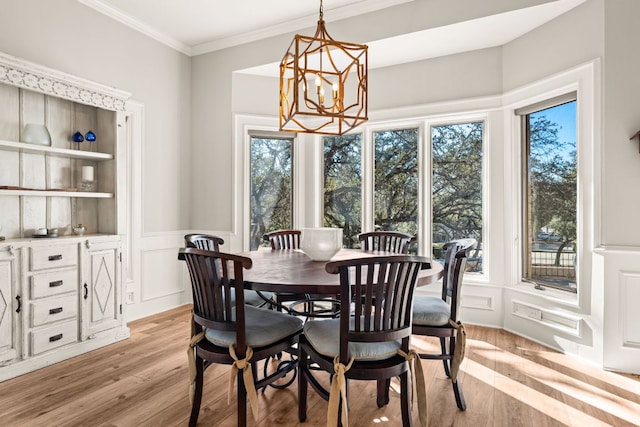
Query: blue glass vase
(77, 137)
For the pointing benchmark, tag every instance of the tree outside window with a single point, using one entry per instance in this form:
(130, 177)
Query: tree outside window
(271, 187)
(457, 187)
(343, 186)
(396, 180)
(551, 196)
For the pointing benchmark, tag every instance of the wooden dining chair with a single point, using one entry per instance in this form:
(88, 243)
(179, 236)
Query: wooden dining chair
(313, 305)
(231, 333)
(204, 241)
(370, 339)
(390, 241)
(212, 243)
(283, 239)
(439, 316)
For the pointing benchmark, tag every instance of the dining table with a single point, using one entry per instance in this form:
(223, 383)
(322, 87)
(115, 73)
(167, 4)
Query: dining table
(291, 271)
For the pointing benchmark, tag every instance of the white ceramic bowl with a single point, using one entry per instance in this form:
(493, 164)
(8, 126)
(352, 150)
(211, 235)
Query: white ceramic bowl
(320, 244)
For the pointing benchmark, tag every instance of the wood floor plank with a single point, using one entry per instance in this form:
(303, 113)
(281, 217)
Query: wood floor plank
(507, 381)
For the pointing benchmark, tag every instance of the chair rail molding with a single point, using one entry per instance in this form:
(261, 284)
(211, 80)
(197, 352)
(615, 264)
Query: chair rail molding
(28, 75)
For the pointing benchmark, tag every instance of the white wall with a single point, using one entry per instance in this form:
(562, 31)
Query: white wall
(620, 195)
(70, 37)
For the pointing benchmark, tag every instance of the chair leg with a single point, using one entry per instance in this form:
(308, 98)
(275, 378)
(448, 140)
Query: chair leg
(457, 391)
(383, 392)
(302, 385)
(197, 394)
(446, 362)
(457, 388)
(405, 400)
(242, 401)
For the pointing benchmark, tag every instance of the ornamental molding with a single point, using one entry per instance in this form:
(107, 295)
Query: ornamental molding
(28, 75)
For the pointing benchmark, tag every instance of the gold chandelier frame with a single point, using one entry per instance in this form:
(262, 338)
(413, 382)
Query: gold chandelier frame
(318, 65)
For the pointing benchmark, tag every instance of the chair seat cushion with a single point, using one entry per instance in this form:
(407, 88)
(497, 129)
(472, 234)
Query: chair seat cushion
(324, 336)
(430, 311)
(263, 327)
(252, 298)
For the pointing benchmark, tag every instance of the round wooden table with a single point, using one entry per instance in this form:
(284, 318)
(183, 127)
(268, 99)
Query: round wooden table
(291, 271)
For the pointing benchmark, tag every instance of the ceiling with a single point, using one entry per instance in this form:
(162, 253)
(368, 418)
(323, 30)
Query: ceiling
(199, 26)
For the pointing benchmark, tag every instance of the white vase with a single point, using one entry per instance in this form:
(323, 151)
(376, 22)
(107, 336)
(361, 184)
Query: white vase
(320, 244)
(35, 134)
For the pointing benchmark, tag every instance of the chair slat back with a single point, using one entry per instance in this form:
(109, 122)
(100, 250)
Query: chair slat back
(390, 241)
(376, 297)
(213, 276)
(456, 252)
(284, 239)
(204, 241)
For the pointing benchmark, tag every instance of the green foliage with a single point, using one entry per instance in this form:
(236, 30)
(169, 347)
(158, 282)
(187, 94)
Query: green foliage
(552, 179)
(457, 181)
(396, 180)
(271, 187)
(343, 186)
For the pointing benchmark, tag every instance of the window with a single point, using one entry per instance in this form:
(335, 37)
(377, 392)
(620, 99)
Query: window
(550, 193)
(456, 187)
(393, 200)
(271, 186)
(396, 180)
(343, 186)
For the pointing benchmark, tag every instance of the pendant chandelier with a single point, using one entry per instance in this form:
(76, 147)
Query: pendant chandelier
(323, 84)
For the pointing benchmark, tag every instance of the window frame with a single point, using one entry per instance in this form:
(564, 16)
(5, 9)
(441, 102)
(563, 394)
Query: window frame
(244, 127)
(582, 80)
(524, 114)
(272, 135)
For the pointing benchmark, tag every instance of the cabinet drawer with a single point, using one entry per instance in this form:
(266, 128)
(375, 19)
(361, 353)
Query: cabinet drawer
(53, 256)
(54, 283)
(54, 309)
(53, 337)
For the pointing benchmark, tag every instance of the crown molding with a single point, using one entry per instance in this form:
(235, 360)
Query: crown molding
(135, 24)
(331, 15)
(294, 25)
(28, 75)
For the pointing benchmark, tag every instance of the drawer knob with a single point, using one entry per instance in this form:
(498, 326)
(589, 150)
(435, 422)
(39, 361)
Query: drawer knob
(55, 310)
(55, 338)
(55, 284)
(55, 257)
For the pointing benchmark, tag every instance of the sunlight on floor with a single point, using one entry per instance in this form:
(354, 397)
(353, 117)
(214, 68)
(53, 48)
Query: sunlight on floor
(545, 377)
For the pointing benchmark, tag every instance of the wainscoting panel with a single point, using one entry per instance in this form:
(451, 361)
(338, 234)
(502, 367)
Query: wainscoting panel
(622, 309)
(629, 313)
(161, 282)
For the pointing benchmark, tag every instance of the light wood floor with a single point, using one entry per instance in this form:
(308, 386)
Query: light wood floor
(507, 381)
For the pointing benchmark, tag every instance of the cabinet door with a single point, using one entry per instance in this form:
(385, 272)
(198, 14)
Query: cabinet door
(10, 302)
(101, 288)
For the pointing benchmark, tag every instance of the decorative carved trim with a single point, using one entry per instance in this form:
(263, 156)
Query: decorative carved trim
(27, 75)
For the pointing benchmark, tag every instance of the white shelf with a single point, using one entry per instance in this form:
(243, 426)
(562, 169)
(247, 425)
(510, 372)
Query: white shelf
(45, 193)
(23, 147)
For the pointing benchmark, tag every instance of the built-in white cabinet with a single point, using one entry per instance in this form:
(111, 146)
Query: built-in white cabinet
(102, 299)
(10, 306)
(61, 293)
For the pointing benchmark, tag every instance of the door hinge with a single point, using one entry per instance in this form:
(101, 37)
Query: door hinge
(120, 308)
(120, 256)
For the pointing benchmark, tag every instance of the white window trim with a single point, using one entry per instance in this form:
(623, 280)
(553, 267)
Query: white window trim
(244, 124)
(584, 79)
